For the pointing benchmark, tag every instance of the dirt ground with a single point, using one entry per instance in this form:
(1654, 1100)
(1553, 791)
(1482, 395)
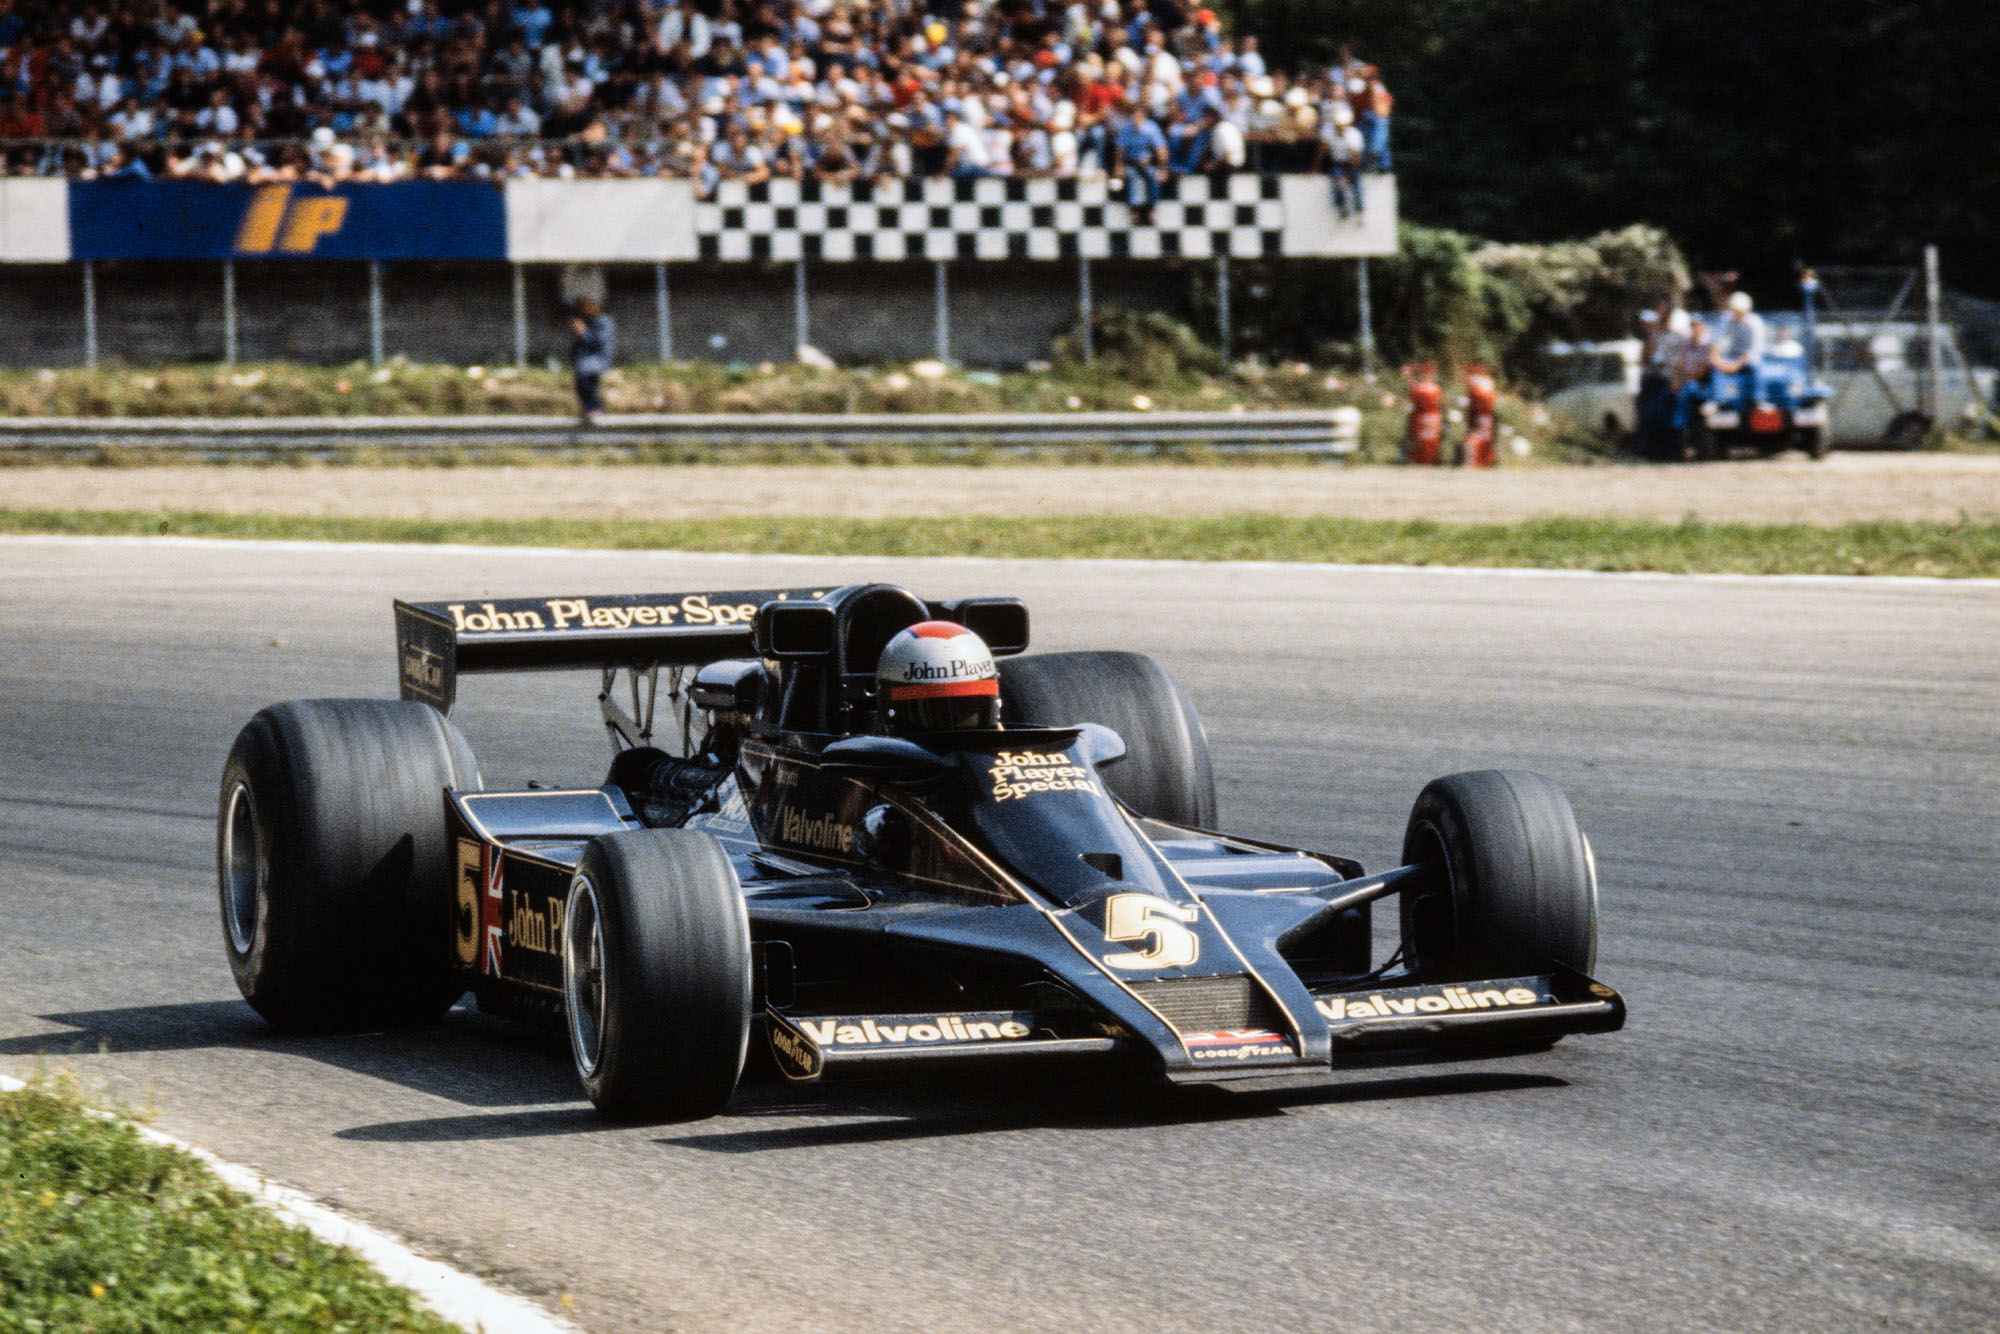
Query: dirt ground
(1844, 488)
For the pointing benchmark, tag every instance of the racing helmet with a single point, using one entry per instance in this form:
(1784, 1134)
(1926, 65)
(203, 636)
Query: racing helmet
(937, 676)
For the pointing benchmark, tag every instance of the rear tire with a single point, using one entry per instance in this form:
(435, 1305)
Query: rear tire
(656, 975)
(333, 865)
(1814, 441)
(1166, 772)
(1511, 884)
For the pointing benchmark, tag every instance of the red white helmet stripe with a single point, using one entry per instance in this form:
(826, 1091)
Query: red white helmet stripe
(944, 689)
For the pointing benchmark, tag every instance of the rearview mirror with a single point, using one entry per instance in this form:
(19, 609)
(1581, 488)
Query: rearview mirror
(793, 630)
(728, 687)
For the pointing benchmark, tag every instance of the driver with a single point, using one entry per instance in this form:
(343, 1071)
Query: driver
(937, 676)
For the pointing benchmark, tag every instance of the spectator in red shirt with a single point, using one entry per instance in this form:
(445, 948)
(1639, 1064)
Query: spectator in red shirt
(18, 120)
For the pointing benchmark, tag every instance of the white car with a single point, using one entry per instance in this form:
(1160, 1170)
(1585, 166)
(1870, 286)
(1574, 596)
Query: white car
(1596, 385)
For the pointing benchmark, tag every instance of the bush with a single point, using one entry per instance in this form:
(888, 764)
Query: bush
(1147, 349)
(1584, 290)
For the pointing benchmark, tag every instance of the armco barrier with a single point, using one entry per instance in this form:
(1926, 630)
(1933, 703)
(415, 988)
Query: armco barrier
(1332, 432)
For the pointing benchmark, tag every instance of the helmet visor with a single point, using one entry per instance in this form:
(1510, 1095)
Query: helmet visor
(947, 713)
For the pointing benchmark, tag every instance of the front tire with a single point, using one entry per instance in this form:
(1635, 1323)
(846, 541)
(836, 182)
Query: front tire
(656, 975)
(1166, 772)
(1510, 884)
(333, 865)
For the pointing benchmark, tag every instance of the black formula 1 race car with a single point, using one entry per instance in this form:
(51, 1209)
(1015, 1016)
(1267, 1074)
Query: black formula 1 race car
(1048, 890)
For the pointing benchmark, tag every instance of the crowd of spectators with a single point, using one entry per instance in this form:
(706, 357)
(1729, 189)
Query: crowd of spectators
(712, 90)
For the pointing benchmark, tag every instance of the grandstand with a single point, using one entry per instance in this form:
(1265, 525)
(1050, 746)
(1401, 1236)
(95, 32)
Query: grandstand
(835, 91)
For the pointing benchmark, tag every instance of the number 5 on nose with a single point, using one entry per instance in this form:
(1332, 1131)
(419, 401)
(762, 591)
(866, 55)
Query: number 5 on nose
(1154, 920)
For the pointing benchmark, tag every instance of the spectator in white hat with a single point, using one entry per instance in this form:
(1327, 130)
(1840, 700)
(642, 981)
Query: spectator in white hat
(1739, 346)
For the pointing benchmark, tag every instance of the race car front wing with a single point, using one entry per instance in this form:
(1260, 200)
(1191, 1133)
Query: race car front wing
(1467, 1018)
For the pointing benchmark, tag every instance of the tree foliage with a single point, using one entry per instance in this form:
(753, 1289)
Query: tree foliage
(1762, 136)
(1448, 296)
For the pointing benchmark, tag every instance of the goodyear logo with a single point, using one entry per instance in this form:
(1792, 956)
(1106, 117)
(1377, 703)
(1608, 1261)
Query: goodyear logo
(279, 223)
(1242, 1044)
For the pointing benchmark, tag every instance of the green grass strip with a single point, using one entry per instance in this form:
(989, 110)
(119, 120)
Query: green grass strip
(1961, 550)
(102, 1230)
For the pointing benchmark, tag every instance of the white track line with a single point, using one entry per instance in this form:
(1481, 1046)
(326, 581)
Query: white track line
(453, 1294)
(1108, 562)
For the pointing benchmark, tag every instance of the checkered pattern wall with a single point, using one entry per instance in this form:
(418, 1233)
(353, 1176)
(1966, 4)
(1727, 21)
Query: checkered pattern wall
(989, 219)
(660, 220)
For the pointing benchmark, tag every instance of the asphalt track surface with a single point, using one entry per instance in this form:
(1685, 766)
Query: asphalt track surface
(1790, 785)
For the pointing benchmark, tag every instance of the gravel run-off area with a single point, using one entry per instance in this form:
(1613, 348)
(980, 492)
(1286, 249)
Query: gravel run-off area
(1842, 489)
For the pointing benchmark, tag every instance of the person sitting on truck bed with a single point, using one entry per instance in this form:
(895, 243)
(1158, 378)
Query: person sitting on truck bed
(1691, 377)
(1739, 345)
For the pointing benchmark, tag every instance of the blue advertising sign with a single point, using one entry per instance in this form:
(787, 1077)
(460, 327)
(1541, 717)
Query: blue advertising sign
(296, 220)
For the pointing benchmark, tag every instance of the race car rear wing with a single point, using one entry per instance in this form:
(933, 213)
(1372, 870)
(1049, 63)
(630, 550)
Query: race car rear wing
(437, 642)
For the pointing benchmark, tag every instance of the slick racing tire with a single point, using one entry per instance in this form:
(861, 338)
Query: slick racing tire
(333, 864)
(1510, 885)
(1166, 771)
(656, 975)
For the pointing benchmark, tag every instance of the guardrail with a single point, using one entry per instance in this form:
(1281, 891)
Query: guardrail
(1330, 431)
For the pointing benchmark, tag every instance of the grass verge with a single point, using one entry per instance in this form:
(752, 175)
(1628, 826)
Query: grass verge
(1962, 550)
(103, 1230)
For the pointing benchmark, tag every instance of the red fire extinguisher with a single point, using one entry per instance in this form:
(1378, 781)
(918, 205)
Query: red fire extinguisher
(1480, 393)
(1425, 443)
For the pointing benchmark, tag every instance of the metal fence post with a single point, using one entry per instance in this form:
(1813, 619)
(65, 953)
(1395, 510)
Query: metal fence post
(374, 312)
(1933, 337)
(90, 313)
(800, 330)
(229, 312)
(1083, 307)
(663, 312)
(520, 315)
(1367, 315)
(943, 314)
(1222, 302)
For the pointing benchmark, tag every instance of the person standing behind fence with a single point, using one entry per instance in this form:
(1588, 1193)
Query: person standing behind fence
(1142, 156)
(1376, 105)
(595, 342)
(1665, 345)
